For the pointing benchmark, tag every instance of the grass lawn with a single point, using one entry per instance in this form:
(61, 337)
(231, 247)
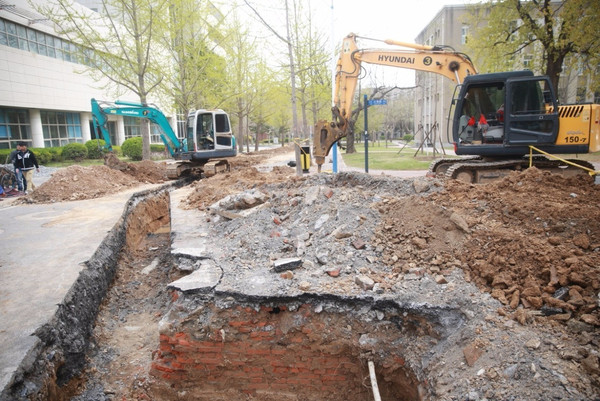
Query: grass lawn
(390, 158)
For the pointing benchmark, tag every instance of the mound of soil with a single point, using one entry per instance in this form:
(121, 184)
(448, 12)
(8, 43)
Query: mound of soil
(79, 183)
(531, 239)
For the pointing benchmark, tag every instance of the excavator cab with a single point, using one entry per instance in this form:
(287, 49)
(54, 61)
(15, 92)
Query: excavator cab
(502, 114)
(210, 133)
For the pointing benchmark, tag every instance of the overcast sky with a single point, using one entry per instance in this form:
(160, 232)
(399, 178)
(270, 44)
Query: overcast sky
(401, 20)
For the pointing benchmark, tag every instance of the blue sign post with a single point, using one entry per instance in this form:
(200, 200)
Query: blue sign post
(372, 102)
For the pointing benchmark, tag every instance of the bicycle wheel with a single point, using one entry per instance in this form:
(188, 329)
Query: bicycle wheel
(6, 180)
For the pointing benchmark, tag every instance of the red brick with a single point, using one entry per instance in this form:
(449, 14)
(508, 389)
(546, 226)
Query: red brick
(213, 344)
(254, 351)
(339, 378)
(162, 368)
(278, 351)
(245, 329)
(239, 323)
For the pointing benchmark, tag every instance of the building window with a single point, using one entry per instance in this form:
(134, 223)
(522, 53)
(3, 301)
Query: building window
(596, 97)
(133, 128)
(527, 62)
(464, 35)
(14, 127)
(28, 39)
(60, 128)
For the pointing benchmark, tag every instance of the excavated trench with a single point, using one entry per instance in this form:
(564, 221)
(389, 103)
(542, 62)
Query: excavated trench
(226, 346)
(122, 333)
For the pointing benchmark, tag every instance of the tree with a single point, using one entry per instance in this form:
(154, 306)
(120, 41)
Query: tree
(376, 93)
(312, 60)
(241, 49)
(197, 73)
(262, 81)
(545, 32)
(119, 44)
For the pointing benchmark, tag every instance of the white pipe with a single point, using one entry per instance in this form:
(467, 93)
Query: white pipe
(374, 385)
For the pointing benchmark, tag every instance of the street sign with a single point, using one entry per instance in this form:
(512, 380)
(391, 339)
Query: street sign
(376, 102)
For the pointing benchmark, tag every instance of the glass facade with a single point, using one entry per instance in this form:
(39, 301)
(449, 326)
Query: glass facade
(25, 38)
(133, 128)
(60, 128)
(14, 127)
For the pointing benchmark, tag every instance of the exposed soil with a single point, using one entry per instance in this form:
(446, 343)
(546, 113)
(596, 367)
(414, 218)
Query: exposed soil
(78, 183)
(530, 240)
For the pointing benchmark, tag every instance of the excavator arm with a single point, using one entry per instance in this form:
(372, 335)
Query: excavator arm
(453, 65)
(101, 110)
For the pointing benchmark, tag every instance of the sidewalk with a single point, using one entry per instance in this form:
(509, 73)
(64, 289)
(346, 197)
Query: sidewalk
(43, 250)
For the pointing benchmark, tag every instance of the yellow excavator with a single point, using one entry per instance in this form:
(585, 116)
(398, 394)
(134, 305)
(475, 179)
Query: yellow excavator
(497, 118)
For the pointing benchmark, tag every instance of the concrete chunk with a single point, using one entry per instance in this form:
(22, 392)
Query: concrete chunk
(281, 265)
(205, 278)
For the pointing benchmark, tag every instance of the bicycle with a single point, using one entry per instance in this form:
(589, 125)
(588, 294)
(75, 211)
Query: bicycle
(7, 176)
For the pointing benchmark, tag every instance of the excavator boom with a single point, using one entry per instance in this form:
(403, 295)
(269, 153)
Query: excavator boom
(453, 65)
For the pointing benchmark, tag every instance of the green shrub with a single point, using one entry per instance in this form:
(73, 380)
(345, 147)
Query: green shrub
(74, 151)
(42, 155)
(96, 148)
(156, 148)
(56, 153)
(132, 148)
(408, 137)
(4, 153)
(117, 150)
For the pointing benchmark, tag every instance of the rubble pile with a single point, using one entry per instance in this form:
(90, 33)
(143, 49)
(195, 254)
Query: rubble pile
(531, 241)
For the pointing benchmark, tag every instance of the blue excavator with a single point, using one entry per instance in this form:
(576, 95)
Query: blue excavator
(208, 142)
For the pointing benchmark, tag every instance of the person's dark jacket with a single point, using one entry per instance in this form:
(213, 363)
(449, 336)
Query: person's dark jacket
(26, 160)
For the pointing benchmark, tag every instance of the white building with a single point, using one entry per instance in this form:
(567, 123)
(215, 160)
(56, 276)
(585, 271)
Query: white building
(44, 92)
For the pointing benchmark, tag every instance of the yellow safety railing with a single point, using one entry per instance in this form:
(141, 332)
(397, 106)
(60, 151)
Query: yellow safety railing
(532, 148)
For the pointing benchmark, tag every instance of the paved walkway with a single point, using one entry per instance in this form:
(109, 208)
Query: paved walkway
(42, 250)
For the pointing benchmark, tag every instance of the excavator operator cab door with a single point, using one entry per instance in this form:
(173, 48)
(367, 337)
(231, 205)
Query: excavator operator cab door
(530, 112)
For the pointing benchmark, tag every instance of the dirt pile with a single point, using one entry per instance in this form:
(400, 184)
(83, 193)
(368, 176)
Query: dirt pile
(531, 239)
(79, 183)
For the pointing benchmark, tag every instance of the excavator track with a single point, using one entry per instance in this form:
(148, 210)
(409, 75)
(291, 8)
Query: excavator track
(481, 171)
(215, 167)
(177, 170)
(439, 167)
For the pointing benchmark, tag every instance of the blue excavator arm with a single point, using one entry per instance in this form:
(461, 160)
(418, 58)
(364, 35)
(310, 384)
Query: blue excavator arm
(101, 110)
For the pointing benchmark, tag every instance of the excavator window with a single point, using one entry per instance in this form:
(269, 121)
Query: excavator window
(205, 132)
(528, 109)
(482, 116)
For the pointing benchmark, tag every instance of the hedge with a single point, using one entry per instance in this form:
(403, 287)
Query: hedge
(132, 148)
(96, 148)
(74, 151)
